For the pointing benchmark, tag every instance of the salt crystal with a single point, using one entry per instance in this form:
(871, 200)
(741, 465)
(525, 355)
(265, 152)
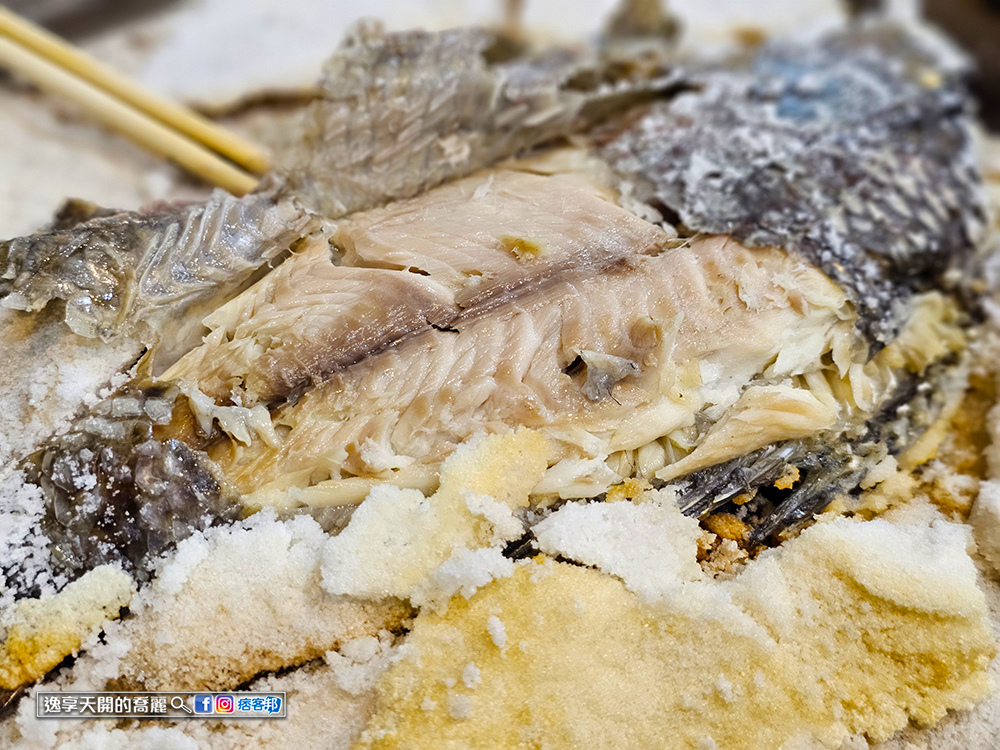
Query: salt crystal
(460, 707)
(471, 675)
(651, 547)
(497, 631)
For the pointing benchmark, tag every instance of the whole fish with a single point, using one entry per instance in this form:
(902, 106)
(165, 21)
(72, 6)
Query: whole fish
(721, 277)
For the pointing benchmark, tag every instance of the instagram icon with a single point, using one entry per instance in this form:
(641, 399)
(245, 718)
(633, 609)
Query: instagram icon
(223, 704)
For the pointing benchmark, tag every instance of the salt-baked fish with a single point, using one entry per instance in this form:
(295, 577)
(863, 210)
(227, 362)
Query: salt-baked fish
(121, 276)
(737, 285)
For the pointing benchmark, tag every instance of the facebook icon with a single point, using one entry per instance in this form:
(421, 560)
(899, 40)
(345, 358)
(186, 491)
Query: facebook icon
(203, 704)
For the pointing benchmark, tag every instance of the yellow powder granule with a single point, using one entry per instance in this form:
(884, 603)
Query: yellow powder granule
(630, 489)
(853, 627)
(521, 248)
(47, 630)
(727, 526)
(787, 480)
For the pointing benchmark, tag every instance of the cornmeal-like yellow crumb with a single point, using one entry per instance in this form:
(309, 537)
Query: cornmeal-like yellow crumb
(630, 489)
(787, 480)
(521, 248)
(762, 660)
(49, 629)
(727, 526)
(401, 544)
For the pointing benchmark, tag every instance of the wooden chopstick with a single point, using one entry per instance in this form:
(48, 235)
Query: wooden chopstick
(155, 122)
(148, 132)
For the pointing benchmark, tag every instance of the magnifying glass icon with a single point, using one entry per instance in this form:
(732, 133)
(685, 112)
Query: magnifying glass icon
(177, 703)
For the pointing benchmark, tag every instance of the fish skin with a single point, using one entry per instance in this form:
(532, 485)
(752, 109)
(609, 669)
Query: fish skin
(128, 273)
(99, 290)
(829, 465)
(400, 113)
(855, 151)
(117, 494)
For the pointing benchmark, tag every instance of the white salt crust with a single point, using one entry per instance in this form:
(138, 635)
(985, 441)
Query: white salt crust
(23, 547)
(651, 546)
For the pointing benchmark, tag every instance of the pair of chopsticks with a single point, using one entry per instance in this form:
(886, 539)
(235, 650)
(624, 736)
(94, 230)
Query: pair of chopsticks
(165, 127)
